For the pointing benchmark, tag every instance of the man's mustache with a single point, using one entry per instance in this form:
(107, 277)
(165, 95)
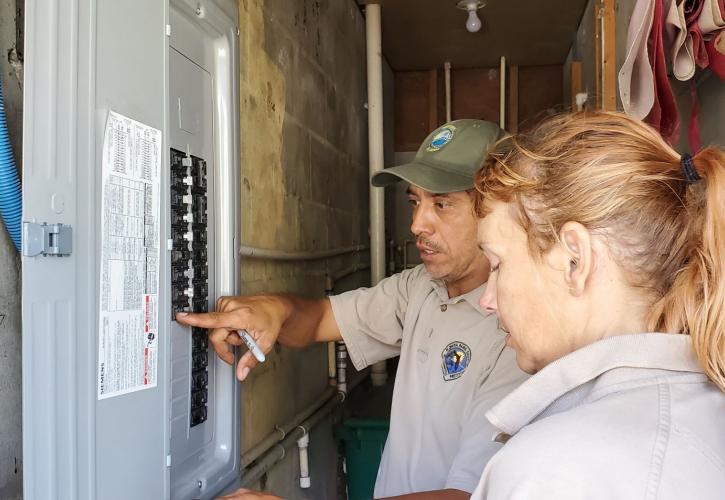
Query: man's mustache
(429, 244)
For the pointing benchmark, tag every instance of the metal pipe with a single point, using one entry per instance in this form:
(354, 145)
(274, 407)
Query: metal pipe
(331, 361)
(376, 155)
(391, 257)
(266, 254)
(407, 243)
(278, 451)
(447, 68)
(502, 103)
(281, 432)
(348, 271)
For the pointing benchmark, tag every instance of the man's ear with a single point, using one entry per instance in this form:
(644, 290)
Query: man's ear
(577, 243)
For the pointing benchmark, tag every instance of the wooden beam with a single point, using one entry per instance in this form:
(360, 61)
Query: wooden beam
(576, 82)
(605, 54)
(513, 125)
(609, 63)
(598, 52)
(432, 99)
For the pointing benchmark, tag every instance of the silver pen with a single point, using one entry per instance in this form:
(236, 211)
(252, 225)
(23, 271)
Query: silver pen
(252, 345)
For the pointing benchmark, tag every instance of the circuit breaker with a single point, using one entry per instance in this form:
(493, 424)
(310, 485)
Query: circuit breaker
(190, 266)
(131, 148)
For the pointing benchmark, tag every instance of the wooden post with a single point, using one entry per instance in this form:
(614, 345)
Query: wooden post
(609, 63)
(605, 54)
(598, 52)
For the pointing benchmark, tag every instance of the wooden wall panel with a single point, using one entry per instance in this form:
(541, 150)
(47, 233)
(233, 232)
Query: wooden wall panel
(412, 108)
(512, 120)
(420, 100)
(475, 94)
(539, 93)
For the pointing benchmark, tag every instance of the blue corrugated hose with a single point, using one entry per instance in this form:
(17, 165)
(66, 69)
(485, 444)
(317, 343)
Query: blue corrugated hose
(10, 195)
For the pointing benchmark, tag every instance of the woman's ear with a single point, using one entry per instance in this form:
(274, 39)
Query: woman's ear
(577, 242)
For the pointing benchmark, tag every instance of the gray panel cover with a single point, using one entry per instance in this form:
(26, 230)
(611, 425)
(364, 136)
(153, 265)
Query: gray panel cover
(84, 58)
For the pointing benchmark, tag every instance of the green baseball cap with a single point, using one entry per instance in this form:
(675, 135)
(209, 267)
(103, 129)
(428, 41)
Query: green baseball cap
(448, 158)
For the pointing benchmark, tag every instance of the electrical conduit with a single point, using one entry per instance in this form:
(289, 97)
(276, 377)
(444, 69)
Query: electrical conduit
(10, 195)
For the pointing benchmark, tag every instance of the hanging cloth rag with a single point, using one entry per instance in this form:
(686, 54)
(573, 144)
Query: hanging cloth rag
(715, 38)
(712, 18)
(664, 115)
(716, 54)
(693, 9)
(679, 40)
(705, 24)
(636, 79)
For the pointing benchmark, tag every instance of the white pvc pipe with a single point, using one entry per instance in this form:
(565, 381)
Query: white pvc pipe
(447, 68)
(376, 154)
(331, 364)
(282, 431)
(302, 444)
(341, 358)
(375, 135)
(502, 103)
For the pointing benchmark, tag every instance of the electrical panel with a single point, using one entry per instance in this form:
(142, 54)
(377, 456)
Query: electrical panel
(140, 161)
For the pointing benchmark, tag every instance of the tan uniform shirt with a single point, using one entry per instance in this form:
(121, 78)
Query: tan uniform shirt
(628, 417)
(453, 368)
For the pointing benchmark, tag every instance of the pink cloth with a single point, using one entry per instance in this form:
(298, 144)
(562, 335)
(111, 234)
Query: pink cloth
(716, 54)
(664, 115)
(693, 9)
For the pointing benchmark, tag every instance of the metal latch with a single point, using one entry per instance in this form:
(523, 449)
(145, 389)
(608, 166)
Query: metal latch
(47, 239)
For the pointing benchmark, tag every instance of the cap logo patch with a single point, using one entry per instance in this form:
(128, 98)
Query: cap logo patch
(456, 358)
(442, 137)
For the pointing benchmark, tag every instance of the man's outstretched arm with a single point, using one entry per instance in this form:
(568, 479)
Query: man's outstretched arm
(288, 319)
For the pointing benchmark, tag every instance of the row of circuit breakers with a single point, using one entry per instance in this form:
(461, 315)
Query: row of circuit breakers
(190, 266)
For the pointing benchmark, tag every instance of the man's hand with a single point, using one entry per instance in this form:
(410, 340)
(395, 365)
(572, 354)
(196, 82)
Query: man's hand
(261, 316)
(245, 494)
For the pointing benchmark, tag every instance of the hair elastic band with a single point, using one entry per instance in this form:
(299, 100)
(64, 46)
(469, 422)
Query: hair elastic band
(688, 169)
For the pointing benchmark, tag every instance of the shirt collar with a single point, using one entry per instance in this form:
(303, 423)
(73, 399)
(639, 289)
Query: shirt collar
(473, 297)
(661, 351)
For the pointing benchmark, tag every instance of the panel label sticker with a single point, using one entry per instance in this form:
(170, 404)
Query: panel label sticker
(130, 241)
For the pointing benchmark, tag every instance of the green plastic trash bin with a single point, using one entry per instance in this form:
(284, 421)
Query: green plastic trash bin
(363, 442)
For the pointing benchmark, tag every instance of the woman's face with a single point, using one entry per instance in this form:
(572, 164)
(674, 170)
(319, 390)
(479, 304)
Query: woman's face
(532, 297)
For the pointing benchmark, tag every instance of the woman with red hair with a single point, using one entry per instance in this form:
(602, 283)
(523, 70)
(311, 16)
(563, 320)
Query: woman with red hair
(607, 252)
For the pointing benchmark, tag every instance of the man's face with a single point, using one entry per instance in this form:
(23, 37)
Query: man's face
(445, 229)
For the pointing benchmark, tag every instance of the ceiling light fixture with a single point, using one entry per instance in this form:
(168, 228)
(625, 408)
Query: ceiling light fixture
(473, 23)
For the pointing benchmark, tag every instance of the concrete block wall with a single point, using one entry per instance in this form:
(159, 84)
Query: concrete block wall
(11, 441)
(304, 187)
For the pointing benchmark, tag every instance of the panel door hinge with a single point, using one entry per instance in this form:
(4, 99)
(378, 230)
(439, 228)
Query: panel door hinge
(47, 239)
